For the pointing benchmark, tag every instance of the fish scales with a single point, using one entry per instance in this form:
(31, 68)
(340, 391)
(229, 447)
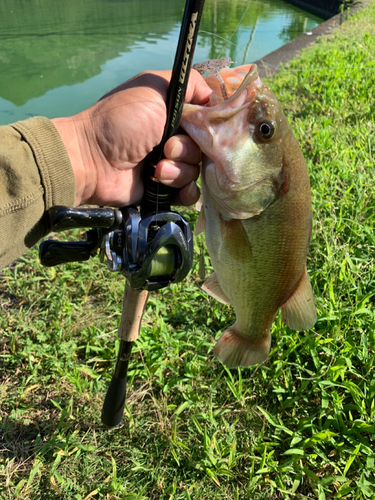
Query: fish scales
(256, 213)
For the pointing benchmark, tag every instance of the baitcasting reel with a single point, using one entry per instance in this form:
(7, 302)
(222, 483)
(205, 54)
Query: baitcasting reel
(150, 251)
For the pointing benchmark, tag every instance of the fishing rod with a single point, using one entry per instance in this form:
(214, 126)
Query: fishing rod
(151, 247)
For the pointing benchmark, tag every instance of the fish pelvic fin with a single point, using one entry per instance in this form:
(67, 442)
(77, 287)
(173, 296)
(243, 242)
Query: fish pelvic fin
(299, 311)
(234, 349)
(201, 224)
(212, 287)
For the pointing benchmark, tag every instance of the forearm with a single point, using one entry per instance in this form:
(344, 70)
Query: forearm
(35, 174)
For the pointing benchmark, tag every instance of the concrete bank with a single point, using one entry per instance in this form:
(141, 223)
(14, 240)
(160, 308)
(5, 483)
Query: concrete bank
(322, 8)
(270, 64)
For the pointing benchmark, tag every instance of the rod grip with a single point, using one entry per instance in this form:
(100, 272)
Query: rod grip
(133, 305)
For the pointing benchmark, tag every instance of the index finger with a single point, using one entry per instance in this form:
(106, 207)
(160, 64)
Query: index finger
(197, 91)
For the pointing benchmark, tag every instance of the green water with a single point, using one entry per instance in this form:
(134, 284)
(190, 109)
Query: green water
(59, 57)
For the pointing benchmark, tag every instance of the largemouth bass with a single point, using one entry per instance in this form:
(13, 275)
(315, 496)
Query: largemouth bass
(256, 212)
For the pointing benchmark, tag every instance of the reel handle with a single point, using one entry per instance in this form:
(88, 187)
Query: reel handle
(61, 218)
(52, 252)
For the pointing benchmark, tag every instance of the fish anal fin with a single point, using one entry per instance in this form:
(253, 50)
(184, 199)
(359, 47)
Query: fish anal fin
(299, 311)
(234, 349)
(212, 287)
(201, 224)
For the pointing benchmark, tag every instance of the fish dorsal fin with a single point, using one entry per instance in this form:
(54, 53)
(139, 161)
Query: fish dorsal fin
(201, 224)
(299, 312)
(211, 287)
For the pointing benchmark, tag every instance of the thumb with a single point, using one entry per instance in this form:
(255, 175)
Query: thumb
(197, 91)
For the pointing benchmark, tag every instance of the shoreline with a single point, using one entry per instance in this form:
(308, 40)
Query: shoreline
(271, 63)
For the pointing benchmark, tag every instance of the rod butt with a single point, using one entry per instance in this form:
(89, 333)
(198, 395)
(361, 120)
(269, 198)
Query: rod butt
(113, 407)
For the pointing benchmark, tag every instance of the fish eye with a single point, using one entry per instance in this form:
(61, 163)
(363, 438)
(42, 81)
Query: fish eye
(266, 130)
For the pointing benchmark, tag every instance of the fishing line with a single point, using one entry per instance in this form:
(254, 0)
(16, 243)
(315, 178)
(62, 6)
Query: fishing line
(250, 41)
(218, 36)
(235, 31)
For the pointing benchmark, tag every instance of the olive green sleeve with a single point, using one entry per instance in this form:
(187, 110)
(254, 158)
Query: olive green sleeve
(35, 174)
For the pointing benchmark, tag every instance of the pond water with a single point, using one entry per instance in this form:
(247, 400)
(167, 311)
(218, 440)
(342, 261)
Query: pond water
(57, 58)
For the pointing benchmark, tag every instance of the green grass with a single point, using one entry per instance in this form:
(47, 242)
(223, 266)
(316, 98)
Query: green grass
(300, 426)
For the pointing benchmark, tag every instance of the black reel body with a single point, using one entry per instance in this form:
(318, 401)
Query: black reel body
(150, 251)
(154, 245)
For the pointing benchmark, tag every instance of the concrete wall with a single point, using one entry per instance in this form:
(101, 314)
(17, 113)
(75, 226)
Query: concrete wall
(323, 8)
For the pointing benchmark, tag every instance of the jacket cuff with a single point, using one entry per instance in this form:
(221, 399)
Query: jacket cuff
(52, 159)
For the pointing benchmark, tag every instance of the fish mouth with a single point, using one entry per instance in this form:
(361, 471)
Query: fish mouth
(204, 124)
(239, 100)
(251, 77)
(200, 121)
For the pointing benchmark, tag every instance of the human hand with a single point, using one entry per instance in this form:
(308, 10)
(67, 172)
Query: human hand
(107, 144)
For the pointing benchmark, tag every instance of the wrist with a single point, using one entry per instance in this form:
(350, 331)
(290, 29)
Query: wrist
(72, 131)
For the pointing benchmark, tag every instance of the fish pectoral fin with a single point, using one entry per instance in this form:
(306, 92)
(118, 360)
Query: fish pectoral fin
(201, 224)
(199, 204)
(299, 312)
(212, 287)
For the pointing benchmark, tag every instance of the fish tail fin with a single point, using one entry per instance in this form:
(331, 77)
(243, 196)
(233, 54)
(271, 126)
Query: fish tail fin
(234, 349)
